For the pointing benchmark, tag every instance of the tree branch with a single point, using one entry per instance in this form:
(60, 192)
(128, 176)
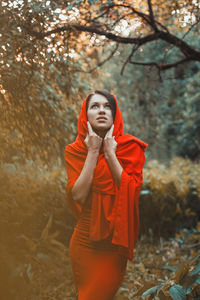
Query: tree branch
(122, 17)
(91, 29)
(105, 60)
(186, 49)
(159, 66)
(153, 24)
(193, 25)
(143, 16)
(102, 62)
(128, 58)
(160, 33)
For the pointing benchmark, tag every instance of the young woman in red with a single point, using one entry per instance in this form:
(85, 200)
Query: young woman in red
(104, 168)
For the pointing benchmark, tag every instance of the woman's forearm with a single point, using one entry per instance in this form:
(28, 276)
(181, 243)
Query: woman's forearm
(82, 185)
(115, 167)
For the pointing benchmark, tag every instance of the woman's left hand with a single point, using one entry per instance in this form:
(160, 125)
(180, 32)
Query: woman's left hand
(109, 143)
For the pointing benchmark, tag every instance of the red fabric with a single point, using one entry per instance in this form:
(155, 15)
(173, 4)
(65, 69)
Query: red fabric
(113, 209)
(97, 274)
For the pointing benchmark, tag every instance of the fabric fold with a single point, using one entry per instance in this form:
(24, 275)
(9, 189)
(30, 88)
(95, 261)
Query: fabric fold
(126, 226)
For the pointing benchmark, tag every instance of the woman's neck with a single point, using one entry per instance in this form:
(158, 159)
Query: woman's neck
(100, 133)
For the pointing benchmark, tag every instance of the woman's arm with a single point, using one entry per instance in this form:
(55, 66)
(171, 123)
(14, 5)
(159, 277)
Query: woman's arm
(114, 166)
(82, 185)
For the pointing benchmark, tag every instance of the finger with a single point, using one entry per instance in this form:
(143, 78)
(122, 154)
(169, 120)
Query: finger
(89, 128)
(110, 131)
(86, 138)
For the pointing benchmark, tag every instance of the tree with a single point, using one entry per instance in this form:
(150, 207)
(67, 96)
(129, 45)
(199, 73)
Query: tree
(145, 22)
(49, 47)
(38, 85)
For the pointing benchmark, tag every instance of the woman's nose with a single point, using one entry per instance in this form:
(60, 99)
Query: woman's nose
(101, 109)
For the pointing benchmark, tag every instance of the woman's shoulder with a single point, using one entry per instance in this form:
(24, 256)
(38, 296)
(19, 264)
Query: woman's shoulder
(70, 149)
(128, 139)
(76, 149)
(72, 146)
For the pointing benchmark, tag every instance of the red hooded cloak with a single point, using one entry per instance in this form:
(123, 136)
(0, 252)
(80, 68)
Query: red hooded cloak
(113, 209)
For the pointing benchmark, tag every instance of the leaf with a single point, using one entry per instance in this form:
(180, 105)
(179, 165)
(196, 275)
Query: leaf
(28, 272)
(145, 192)
(170, 268)
(177, 292)
(163, 295)
(146, 286)
(189, 281)
(196, 270)
(194, 293)
(181, 273)
(45, 231)
(152, 290)
(195, 258)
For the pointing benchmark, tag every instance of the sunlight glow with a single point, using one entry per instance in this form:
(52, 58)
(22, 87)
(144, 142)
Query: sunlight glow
(124, 28)
(184, 16)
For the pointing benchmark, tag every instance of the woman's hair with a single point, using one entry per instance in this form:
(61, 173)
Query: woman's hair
(108, 96)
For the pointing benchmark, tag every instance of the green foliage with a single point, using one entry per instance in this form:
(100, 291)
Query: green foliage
(177, 292)
(163, 111)
(180, 286)
(171, 196)
(38, 84)
(154, 290)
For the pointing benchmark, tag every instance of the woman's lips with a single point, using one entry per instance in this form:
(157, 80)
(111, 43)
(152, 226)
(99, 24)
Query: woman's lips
(101, 119)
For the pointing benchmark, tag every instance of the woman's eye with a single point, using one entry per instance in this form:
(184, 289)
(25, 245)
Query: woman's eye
(108, 106)
(94, 106)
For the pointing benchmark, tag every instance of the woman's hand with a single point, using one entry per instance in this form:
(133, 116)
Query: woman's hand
(92, 140)
(109, 143)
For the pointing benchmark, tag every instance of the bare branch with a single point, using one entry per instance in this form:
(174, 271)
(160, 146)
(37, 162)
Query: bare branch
(91, 29)
(153, 24)
(138, 13)
(129, 58)
(100, 16)
(161, 67)
(143, 16)
(189, 52)
(186, 49)
(160, 32)
(122, 17)
(102, 62)
(193, 25)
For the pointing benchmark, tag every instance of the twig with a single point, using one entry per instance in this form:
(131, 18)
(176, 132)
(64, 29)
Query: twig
(190, 29)
(161, 67)
(128, 58)
(102, 62)
(153, 24)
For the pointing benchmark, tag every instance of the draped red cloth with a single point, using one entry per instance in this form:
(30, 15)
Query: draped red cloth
(113, 209)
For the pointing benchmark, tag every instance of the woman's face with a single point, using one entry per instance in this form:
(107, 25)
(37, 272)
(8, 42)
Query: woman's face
(99, 114)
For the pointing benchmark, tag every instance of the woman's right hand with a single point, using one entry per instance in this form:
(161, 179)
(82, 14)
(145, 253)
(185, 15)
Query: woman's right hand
(92, 140)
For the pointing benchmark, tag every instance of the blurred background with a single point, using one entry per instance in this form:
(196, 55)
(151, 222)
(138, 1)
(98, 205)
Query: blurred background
(52, 55)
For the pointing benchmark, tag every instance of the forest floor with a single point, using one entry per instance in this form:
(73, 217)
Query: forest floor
(164, 262)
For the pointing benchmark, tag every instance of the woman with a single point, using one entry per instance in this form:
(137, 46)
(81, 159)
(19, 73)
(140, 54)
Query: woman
(104, 170)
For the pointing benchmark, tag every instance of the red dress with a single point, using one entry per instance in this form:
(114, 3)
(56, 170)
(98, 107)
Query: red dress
(98, 268)
(108, 223)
